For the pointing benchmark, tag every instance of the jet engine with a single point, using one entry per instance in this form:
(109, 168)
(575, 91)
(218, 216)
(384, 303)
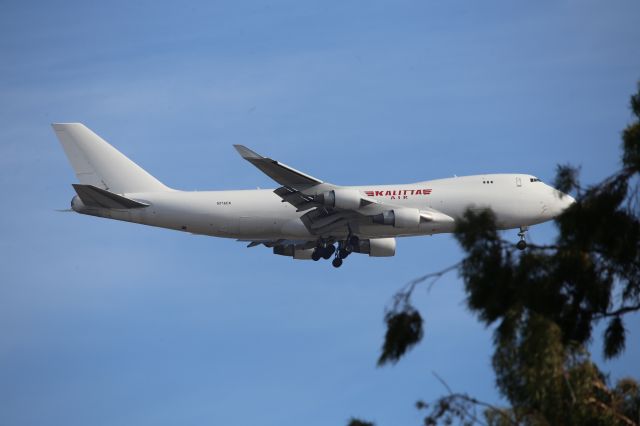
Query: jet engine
(377, 247)
(293, 251)
(399, 218)
(346, 199)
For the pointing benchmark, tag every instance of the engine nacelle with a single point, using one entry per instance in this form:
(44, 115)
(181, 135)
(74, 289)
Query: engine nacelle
(293, 251)
(378, 247)
(399, 218)
(302, 254)
(346, 199)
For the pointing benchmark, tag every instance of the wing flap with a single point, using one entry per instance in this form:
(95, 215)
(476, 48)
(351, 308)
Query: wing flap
(299, 200)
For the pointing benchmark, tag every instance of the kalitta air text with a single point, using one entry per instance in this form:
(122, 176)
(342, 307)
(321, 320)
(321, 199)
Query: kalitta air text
(398, 194)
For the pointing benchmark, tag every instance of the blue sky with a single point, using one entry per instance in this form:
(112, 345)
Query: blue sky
(110, 323)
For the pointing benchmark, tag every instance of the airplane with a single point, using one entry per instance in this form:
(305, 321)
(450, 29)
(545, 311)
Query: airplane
(305, 217)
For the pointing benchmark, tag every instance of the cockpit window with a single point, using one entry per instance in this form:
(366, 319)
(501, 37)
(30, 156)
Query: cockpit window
(535, 179)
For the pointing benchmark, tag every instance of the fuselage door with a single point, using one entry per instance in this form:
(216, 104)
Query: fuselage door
(518, 181)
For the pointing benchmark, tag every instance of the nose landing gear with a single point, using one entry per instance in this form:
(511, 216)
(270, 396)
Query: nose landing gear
(522, 244)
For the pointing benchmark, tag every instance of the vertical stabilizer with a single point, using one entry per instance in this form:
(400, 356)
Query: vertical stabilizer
(99, 164)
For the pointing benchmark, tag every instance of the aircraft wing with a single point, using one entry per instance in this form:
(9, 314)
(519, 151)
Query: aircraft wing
(322, 220)
(298, 188)
(281, 173)
(305, 192)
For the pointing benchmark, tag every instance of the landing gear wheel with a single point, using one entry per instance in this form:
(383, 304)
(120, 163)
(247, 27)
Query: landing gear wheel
(337, 262)
(348, 246)
(522, 244)
(328, 251)
(343, 253)
(315, 255)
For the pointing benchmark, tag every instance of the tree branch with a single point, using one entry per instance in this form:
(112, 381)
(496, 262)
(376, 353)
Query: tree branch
(620, 311)
(612, 411)
(402, 296)
(466, 398)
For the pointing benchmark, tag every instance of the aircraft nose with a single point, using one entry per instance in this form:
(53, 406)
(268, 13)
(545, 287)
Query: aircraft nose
(568, 201)
(560, 203)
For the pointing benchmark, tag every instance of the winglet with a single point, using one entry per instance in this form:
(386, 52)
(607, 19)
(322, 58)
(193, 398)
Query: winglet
(246, 153)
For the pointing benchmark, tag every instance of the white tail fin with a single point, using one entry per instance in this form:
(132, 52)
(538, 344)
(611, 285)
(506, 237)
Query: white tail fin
(99, 164)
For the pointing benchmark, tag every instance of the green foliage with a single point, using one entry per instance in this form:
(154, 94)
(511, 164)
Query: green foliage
(544, 303)
(572, 283)
(631, 138)
(625, 398)
(464, 409)
(548, 382)
(614, 338)
(635, 102)
(404, 330)
(566, 178)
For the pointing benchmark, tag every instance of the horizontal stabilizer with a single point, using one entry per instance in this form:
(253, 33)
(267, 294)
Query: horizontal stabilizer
(93, 196)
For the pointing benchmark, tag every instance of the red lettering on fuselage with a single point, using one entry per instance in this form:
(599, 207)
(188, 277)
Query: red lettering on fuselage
(397, 194)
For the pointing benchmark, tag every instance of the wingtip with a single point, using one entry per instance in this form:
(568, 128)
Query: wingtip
(246, 153)
(62, 126)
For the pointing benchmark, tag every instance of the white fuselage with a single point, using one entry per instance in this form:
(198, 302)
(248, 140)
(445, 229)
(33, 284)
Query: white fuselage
(516, 199)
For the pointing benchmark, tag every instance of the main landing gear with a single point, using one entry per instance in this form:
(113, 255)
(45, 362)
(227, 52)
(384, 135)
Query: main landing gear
(522, 244)
(324, 251)
(345, 248)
